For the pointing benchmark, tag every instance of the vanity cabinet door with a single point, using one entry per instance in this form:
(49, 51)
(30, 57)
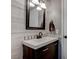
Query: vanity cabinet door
(27, 53)
(52, 52)
(48, 52)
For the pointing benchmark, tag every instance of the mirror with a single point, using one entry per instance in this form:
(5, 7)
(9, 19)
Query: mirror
(35, 16)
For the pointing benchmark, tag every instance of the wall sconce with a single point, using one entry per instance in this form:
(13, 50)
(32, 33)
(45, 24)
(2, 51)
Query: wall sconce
(39, 4)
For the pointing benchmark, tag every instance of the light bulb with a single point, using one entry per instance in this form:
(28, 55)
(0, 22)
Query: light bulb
(39, 8)
(35, 2)
(31, 4)
(43, 5)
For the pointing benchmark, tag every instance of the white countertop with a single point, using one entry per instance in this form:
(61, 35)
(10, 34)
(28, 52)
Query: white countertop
(37, 43)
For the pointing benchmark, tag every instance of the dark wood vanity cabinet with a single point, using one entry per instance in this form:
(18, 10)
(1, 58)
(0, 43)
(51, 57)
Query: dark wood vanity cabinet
(47, 52)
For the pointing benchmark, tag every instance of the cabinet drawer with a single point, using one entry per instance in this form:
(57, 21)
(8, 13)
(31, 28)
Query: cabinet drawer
(43, 50)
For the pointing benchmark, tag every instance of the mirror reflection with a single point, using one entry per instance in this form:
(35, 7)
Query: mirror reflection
(36, 17)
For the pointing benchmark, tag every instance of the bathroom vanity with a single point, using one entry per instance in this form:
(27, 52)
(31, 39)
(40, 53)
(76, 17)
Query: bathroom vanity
(45, 48)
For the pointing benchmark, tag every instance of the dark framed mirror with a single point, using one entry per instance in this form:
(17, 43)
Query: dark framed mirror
(35, 19)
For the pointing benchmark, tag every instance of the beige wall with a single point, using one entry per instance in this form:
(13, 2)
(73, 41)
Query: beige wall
(53, 12)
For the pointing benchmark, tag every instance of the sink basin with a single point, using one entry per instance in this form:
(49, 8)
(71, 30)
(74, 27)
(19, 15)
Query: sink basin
(38, 43)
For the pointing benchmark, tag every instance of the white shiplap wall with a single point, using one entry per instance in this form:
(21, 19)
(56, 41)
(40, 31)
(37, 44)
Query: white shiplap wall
(18, 19)
(18, 30)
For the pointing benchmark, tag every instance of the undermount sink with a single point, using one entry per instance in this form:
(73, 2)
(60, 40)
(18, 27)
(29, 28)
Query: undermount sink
(37, 43)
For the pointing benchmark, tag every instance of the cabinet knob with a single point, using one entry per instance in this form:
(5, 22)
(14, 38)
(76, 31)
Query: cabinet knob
(65, 36)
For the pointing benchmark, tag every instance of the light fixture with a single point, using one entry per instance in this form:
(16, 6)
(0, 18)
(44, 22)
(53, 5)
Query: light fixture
(43, 5)
(39, 4)
(31, 4)
(35, 2)
(39, 8)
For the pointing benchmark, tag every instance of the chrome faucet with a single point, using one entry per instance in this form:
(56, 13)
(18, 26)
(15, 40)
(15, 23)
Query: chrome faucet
(40, 35)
